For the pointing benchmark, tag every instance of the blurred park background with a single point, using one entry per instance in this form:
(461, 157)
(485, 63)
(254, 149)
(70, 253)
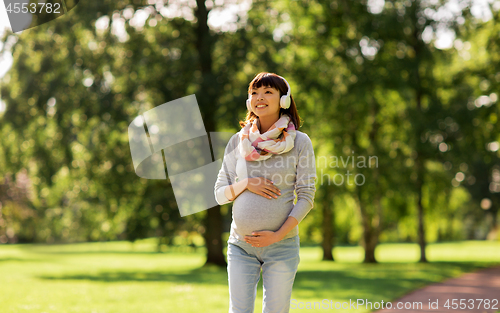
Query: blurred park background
(413, 84)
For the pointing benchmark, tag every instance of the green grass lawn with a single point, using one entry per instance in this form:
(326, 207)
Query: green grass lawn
(124, 277)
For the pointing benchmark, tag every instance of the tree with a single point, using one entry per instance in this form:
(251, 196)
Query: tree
(470, 129)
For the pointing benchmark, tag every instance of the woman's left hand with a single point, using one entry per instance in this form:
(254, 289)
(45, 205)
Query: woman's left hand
(262, 238)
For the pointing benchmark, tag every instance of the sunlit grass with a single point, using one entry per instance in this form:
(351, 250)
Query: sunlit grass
(124, 277)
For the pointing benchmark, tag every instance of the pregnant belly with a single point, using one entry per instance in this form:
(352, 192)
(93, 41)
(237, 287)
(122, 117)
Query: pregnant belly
(252, 212)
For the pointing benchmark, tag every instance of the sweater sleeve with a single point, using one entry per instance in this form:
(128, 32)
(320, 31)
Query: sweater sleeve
(227, 173)
(306, 178)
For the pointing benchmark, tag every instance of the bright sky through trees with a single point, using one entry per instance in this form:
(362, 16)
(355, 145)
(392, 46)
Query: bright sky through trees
(224, 14)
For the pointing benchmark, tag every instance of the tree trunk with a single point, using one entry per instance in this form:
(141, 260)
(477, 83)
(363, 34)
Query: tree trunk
(419, 162)
(370, 250)
(420, 209)
(370, 237)
(208, 96)
(372, 223)
(494, 212)
(213, 237)
(493, 232)
(328, 225)
(421, 231)
(369, 243)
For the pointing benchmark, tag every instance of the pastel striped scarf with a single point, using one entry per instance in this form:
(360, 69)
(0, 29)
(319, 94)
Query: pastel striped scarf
(255, 146)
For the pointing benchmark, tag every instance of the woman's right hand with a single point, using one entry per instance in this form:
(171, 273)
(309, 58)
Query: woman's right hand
(263, 187)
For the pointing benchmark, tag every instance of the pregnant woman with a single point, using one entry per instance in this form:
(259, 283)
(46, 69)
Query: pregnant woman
(264, 163)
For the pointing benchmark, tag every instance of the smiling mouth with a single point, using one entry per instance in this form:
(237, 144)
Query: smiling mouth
(260, 106)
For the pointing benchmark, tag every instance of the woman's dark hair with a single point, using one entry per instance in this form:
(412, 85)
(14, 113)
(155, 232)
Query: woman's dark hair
(274, 81)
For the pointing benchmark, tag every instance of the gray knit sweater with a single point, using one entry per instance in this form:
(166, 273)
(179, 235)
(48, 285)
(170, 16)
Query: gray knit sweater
(292, 171)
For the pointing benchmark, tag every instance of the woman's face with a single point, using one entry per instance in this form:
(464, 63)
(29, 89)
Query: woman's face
(265, 101)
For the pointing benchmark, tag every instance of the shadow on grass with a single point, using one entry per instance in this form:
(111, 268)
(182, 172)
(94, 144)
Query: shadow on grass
(203, 275)
(375, 282)
(20, 260)
(119, 252)
(170, 250)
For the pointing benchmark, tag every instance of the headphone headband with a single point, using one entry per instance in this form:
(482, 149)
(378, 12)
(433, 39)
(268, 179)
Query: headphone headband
(288, 92)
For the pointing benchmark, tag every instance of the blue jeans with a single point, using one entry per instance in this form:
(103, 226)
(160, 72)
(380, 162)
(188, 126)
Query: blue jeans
(279, 263)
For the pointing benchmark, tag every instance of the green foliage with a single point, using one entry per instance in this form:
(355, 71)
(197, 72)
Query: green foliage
(366, 85)
(71, 94)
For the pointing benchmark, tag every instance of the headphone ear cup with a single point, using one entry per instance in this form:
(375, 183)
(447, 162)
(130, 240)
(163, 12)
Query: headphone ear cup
(249, 107)
(285, 102)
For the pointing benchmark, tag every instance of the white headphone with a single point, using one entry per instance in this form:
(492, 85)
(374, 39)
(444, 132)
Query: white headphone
(285, 100)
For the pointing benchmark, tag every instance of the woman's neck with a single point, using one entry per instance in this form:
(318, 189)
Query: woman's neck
(265, 122)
